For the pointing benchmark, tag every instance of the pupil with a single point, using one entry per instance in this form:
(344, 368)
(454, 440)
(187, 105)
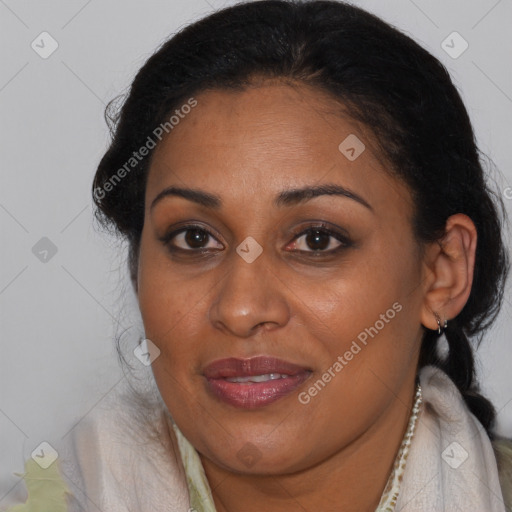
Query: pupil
(195, 238)
(316, 237)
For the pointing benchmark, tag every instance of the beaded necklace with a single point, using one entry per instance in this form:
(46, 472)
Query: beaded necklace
(390, 495)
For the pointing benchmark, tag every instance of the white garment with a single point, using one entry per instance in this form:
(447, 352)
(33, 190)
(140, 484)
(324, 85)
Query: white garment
(451, 464)
(114, 465)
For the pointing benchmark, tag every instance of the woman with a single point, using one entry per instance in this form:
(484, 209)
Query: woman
(306, 215)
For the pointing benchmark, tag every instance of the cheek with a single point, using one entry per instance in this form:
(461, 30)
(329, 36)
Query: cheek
(369, 313)
(162, 299)
(172, 310)
(171, 314)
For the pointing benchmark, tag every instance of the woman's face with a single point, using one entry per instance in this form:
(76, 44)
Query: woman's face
(288, 317)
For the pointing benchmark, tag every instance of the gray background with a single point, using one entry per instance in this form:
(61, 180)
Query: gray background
(59, 316)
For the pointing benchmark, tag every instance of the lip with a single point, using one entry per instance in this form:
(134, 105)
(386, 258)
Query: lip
(253, 395)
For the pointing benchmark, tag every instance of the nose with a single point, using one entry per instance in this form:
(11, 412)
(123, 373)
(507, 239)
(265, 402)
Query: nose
(250, 298)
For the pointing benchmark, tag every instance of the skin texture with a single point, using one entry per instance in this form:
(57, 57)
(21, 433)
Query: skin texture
(335, 452)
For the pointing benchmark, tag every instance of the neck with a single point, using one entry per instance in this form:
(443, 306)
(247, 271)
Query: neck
(352, 479)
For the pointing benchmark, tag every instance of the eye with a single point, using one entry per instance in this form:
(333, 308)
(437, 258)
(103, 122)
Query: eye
(317, 240)
(320, 240)
(190, 238)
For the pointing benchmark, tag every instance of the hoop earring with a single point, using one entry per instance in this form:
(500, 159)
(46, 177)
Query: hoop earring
(438, 320)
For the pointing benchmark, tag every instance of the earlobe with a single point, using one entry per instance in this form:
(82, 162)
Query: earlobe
(451, 263)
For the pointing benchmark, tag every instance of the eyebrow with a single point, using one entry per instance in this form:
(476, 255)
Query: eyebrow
(288, 198)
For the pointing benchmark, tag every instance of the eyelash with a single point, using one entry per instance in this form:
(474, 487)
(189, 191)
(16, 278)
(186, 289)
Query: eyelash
(345, 242)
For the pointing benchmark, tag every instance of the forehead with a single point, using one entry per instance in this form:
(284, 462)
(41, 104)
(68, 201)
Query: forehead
(270, 137)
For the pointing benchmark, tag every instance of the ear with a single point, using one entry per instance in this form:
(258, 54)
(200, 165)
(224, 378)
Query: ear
(449, 265)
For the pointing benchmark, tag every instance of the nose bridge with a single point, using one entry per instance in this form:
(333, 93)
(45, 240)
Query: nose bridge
(249, 294)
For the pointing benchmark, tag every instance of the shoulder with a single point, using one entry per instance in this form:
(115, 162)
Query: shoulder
(503, 452)
(124, 456)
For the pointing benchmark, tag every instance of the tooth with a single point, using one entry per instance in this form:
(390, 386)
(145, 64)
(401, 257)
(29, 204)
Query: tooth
(239, 379)
(262, 378)
(258, 378)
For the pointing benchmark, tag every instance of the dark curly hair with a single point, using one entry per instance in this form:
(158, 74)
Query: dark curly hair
(385, 80)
